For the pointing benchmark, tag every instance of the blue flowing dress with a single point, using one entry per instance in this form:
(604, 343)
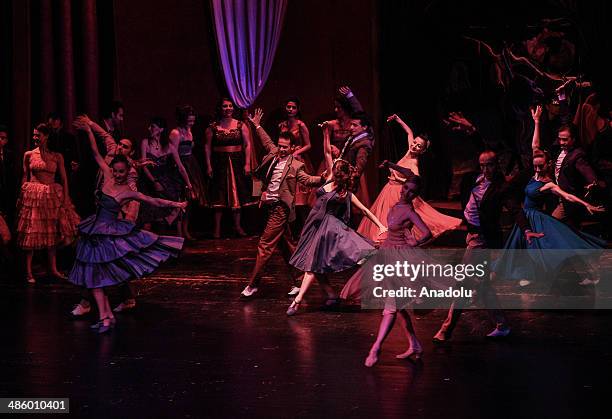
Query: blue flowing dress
(539, 256)
(327, 244)
(111, 251)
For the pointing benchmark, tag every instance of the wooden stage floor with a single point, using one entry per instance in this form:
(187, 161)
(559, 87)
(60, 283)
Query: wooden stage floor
(192, 349)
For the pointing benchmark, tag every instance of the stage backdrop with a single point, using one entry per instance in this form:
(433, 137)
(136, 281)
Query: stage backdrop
(166, 55)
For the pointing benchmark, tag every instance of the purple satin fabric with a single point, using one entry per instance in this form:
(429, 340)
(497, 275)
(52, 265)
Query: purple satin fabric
(247, 33)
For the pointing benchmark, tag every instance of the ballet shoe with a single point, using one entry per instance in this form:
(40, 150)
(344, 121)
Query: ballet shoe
(293, 308)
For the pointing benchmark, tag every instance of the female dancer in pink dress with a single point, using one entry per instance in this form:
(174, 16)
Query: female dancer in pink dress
(437, 222)
(46, 217)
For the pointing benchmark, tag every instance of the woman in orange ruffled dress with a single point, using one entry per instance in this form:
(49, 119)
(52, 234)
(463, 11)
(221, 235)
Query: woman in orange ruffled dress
(437, 222)
(46, 216)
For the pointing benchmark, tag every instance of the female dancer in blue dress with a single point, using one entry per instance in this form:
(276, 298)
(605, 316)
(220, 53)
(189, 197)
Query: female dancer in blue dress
(401, 219)
(327, 243)
(551, 233)
(111, 251)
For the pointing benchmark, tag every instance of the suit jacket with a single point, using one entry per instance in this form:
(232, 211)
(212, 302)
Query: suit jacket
(294, 172)
(576, 172)
(499, 194)
(357, 155)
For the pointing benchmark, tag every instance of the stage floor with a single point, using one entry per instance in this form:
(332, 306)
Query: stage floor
(191, 348)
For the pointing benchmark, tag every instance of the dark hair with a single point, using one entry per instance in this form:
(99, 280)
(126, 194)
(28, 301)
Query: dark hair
(286, 135)
(55, 116)
(488, 151)
(3, 128)
(571, 128)
(183, 113)
(119, 158)
(342, 172)
(164, 138)
(114, 107)
(218, 111)
(415, 181)
(132, 142)
(425, 137)
(295, 100)
(363, 119)
(344, 104)
(43, 128)
(541, 153)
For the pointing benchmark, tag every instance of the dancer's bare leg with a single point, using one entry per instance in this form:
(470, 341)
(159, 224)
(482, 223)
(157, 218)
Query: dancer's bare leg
(29, 255)
(237, 226)
(414, 346)
(52, 257)
(217, 228)
(386, 324)
(103, 306)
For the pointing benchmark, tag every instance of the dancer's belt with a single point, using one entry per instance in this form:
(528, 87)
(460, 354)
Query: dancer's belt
(228, 149)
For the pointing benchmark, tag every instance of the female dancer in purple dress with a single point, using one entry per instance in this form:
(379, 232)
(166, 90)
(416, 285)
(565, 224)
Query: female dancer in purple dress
(401, 219)
(327, 243)
(111, 251)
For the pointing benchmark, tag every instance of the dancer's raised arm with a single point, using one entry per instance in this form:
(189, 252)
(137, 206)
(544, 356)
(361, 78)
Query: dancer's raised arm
(327, 150)
(404, 126)
(536, 113)
(82, 125)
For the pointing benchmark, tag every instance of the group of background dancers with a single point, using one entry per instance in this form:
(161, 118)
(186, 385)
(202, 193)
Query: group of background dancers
(151, 185)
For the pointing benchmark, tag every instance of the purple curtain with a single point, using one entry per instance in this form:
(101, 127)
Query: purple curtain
(247, 33)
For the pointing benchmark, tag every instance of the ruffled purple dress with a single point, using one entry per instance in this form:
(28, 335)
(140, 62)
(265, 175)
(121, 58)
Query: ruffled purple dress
(111, 251)
(327, 244)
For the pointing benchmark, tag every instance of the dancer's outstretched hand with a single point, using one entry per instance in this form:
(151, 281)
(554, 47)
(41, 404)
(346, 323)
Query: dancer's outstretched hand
(256, 118)
(593, 209)
(536, 113)
(393, 117)
(532, 235)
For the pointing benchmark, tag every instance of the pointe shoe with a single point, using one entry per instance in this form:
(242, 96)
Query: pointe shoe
(293, 291)
(31, 279)
(293, 308)
(415, 349)
(371, 359)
